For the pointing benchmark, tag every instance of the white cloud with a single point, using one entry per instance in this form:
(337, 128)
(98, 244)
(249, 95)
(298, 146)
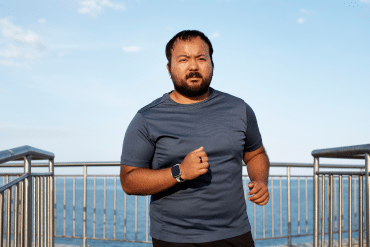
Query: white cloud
(131, 49)
(18, 44)
(41, 20)
(365, 1)
(303, 11)
(95, 7)
(215, 35)
(108, 3)
(11, 52)
(13, 32)
(301, 20)
(90, 7)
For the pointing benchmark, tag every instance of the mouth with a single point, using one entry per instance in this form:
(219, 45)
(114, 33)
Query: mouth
(194, 79)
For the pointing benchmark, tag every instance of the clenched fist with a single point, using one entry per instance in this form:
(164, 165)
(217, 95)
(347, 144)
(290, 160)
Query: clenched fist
(259, 191)
(191, 167)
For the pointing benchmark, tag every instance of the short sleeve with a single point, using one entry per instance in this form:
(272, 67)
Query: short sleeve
(137, 149)
(253, 139)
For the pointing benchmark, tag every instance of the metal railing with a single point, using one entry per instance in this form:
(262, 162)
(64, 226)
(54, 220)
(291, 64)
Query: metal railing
(28, 211)
(350, 152)
(115, 216)
(94, 207)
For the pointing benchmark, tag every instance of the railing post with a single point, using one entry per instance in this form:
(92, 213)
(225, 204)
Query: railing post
(84, 208)
(8, 217)
(51, 203)
(1, 217)
(361, 209)
(340, 210)
(289, 212)
(330, 210)
(367, 181)
(27, 202)
(350, 210)
(316, 203)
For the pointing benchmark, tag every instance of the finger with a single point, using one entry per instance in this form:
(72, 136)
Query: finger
(250, 185)
(196, 159)
(198, 149)
(203, 171)
(264, 202)
(254, 189)
(204, 165)
(201, 154)
(198, 154)
(261, 192)
(257, 187)
(254, 197)
(204, 159)
(259, 199)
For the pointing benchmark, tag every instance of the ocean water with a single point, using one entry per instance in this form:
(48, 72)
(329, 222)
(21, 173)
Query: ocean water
(65, 225)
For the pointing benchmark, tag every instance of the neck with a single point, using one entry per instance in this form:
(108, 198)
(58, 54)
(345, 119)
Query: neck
(177, 97)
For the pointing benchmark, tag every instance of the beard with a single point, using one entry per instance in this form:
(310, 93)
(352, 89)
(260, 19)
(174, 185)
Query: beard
(193, 90)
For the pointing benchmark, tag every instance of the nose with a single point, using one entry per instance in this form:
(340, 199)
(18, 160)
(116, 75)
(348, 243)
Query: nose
(193, 65)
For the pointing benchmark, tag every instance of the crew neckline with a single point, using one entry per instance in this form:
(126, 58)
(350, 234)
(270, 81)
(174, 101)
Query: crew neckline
(211, 91)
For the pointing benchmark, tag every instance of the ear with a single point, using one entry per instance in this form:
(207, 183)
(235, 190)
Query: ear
(168, 69)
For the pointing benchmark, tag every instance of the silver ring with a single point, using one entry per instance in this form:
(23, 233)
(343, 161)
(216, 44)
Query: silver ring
(200, 159)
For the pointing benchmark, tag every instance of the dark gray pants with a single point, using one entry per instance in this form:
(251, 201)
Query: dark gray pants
(244, 240)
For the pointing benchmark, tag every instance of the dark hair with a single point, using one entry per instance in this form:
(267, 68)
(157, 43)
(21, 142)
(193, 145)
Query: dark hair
(187, 35)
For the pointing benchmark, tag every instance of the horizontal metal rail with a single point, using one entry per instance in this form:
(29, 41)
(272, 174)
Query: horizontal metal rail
(115, 163)
(338, 173)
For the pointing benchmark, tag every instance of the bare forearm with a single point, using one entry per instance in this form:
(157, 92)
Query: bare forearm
(145, 181)
(258, 168)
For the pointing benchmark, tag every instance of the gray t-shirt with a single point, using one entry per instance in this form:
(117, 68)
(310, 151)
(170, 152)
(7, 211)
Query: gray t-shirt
(211, 207)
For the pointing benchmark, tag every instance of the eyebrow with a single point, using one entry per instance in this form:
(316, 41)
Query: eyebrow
(183, 55)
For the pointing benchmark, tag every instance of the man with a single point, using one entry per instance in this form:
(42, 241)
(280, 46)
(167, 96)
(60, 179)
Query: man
(197, 193)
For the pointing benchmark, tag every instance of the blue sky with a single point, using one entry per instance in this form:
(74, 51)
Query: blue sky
(73, 73)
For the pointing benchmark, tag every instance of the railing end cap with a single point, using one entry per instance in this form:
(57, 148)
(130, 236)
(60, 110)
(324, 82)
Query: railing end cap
(347, 152)
(19, 153)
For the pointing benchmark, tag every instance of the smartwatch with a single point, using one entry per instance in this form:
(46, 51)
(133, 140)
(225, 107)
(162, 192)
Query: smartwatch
(176, 173)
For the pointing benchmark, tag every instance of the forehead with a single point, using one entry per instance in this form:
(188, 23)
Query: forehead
(194, 45)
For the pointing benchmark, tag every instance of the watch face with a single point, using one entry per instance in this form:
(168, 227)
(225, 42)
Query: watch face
(175, 171)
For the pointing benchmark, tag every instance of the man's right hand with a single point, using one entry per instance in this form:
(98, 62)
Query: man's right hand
(191, 167)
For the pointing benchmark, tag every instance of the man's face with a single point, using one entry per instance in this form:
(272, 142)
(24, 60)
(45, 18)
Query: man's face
(191, 67)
